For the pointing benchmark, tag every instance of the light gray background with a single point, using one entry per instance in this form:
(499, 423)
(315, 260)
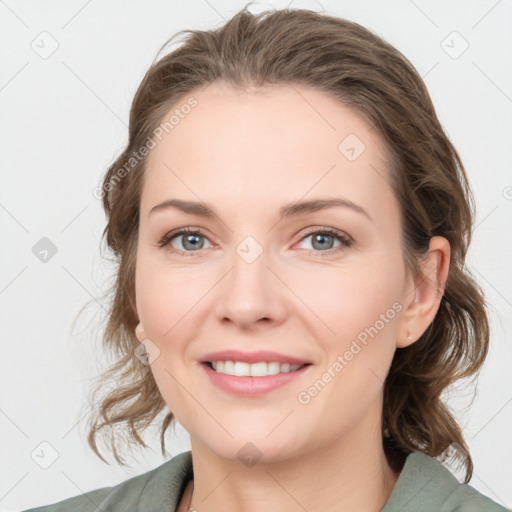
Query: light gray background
(64, 119)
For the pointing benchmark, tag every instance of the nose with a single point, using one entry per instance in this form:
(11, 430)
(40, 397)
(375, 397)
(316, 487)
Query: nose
(251, 294)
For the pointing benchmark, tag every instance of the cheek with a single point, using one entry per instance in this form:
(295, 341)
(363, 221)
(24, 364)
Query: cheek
(165, 298)
(346, 301)
(361, 308)
(165, 303)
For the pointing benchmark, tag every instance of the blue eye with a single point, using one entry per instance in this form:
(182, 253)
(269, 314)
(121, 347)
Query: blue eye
(322, 240)
(192, 241)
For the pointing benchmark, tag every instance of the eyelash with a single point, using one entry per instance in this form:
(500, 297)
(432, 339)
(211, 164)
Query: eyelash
(344, 239)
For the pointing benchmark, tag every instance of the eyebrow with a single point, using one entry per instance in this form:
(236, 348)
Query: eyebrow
(289, 210)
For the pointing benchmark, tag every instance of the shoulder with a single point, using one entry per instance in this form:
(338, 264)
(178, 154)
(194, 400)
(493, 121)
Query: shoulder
(426, 485)
(86, 502)
(153, 491)
(467, 499)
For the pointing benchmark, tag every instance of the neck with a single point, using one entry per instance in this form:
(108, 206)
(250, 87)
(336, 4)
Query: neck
(349, 474)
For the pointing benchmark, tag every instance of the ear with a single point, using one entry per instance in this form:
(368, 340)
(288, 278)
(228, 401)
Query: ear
(140, 333)
(133, 303)
(424, 292)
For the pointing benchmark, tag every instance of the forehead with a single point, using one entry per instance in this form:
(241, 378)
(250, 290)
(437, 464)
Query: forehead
(272, 145)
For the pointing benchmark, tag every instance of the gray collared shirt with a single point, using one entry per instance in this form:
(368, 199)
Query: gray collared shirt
(424, 485)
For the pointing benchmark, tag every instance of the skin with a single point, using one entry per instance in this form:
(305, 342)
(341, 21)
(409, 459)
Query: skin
(247, 154)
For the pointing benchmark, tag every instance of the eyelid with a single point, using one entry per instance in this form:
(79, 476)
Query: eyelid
(165, 240)
(345, 239)
(323, 229)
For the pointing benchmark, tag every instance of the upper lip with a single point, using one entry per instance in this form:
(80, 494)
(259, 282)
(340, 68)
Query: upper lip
(251, 357)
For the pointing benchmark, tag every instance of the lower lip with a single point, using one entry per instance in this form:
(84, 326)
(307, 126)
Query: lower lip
(252, 386)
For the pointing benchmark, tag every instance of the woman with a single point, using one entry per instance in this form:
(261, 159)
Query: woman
(291, 224)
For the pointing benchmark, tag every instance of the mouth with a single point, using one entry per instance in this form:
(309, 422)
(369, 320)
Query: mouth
(252, 379)
(253, 373)
(258, 369)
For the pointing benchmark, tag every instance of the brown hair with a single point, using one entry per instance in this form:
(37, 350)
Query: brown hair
(357, 67)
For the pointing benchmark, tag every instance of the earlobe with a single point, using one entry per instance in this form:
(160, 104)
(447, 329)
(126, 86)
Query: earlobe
(427, 291)
(140, 333)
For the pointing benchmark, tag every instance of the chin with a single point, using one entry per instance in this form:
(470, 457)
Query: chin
(251, 449)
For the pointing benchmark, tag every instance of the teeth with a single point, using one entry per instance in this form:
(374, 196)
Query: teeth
(240, 369)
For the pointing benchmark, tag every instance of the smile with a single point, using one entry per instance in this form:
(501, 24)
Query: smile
(252, 379)
(260, 369)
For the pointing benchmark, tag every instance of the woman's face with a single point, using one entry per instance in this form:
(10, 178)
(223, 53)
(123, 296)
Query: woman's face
(263, 275)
